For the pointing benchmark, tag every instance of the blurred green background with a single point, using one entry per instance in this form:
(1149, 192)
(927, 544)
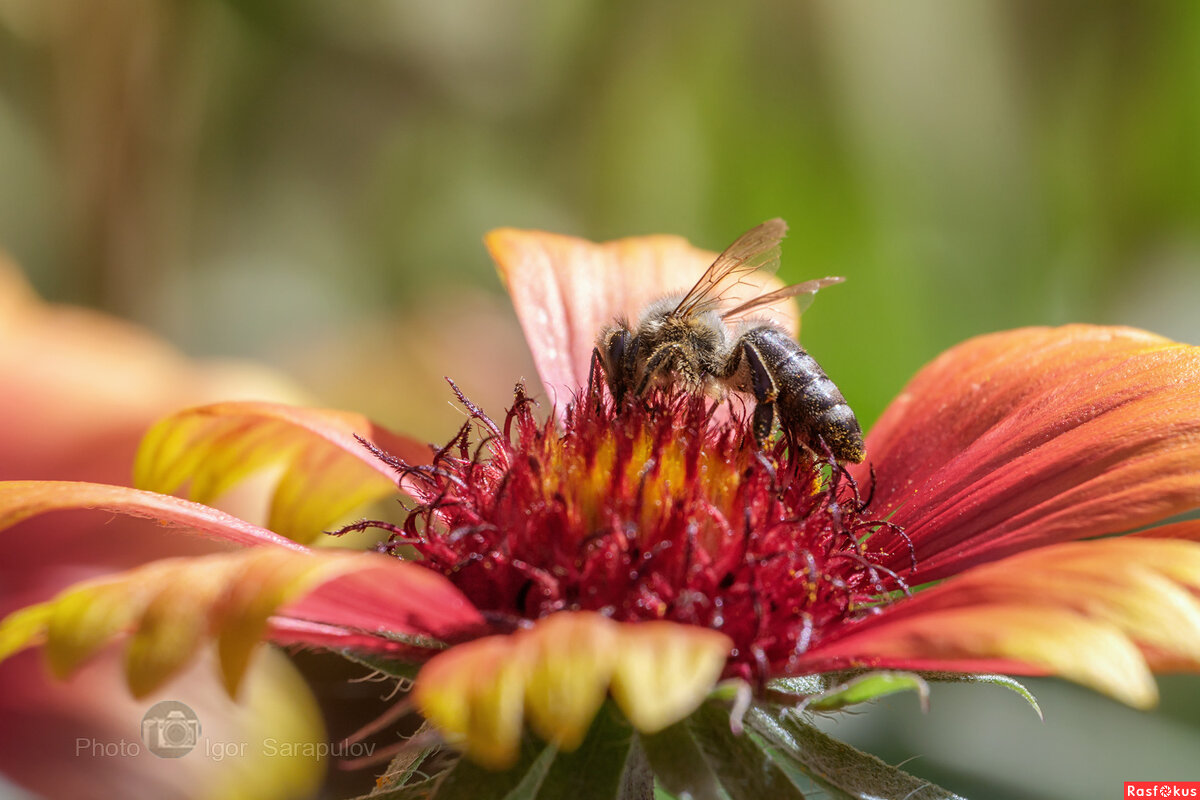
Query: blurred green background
(306, 183)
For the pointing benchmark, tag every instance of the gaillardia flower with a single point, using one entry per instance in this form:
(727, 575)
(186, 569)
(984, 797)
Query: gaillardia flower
(646, 590)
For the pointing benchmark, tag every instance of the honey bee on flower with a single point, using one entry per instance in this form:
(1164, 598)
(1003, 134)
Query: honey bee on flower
(685, 339)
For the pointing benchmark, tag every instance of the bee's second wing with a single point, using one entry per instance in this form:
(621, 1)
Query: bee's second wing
(803, 292)
(756, 250)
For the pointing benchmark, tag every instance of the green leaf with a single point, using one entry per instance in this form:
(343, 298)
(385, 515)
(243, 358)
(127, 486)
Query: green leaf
(680, 766)
(844, 773)
(702, 758)
(468, 781)
(608, 765)
(998, 680)
(869, 686)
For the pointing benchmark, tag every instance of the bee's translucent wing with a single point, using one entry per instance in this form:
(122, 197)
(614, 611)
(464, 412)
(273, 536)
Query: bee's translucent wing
(756, 250)
(803, 292)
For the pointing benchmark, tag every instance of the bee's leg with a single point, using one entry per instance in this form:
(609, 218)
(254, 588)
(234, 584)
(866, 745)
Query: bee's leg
(764, 420)
(762, 383)
(592, 370)
(656, 362)
(622, 349)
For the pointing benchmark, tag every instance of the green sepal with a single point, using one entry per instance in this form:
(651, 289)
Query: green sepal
(729, 690)
(387, 666)
(423, 648)
(866, 687)
(998, 680)
(803, 686)
(833, 690)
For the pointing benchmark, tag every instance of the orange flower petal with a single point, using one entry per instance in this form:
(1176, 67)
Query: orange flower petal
(565, 289)
(1189, 531)
(665, 670)
(558, 672)
(20, 500)
(1018, 640)
(85, 720)
(170, 632)
(1024, 438)
(173, 605)
(572, 658)
(327, 472)
(80, 389)
(474, 694)
(1101, 613)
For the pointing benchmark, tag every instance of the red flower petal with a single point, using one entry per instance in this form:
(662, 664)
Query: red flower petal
(1024, 438)
(328, 472)
(566, 289)
(388, 596)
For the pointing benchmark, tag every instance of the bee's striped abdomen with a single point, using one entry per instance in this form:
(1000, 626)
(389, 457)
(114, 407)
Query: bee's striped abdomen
(809, 405)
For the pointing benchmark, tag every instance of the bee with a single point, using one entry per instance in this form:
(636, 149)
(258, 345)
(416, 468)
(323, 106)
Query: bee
(687, 340)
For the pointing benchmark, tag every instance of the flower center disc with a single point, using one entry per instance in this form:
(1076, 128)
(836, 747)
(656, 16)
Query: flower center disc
(647, 511)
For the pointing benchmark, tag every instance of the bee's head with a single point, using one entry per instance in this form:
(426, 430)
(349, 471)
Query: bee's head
(615, 347)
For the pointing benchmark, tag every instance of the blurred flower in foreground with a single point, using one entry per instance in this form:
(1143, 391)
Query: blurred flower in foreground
(80, 390)
(598, 574)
